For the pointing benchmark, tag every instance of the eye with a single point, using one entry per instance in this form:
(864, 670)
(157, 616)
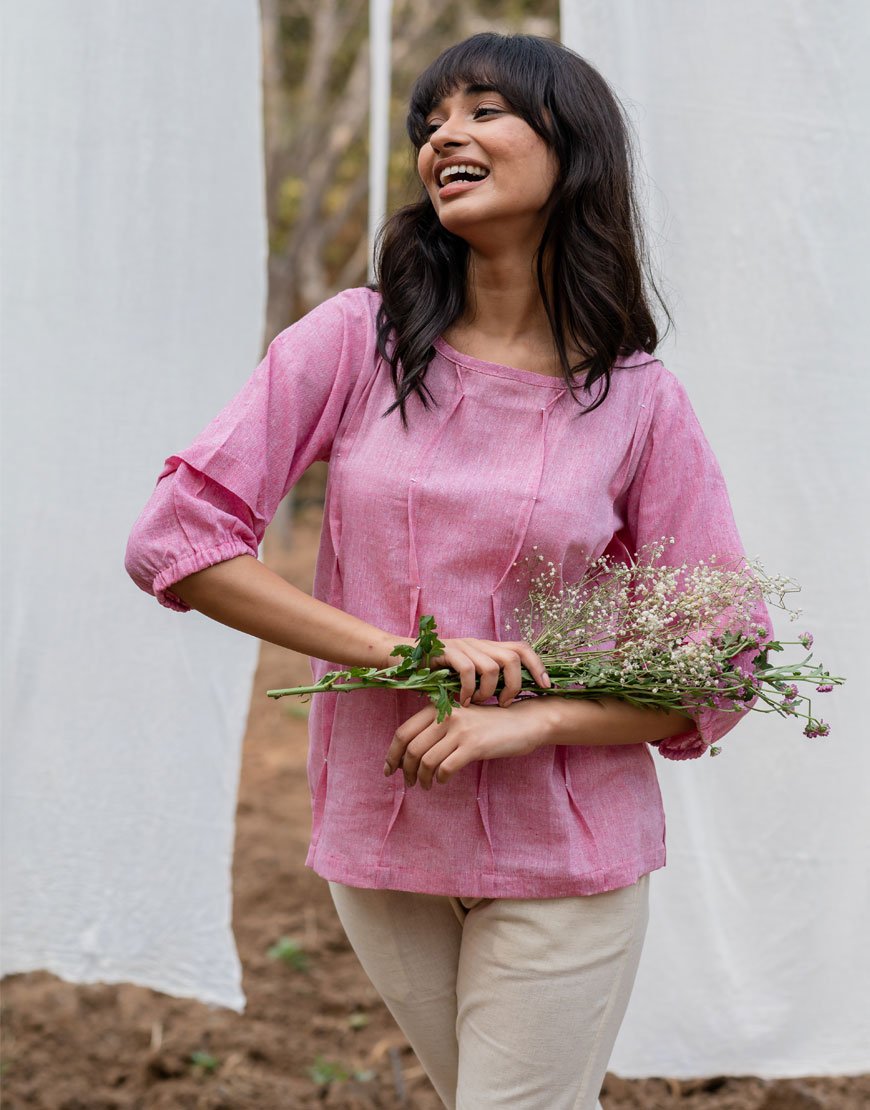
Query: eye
(434, 126)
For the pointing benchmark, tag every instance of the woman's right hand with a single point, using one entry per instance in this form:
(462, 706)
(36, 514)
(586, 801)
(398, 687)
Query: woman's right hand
(244, 593)
(469, 657)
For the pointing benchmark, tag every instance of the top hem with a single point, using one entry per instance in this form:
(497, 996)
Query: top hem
(486, 884)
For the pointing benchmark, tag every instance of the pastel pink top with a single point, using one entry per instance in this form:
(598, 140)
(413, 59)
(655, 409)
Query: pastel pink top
(432, 520)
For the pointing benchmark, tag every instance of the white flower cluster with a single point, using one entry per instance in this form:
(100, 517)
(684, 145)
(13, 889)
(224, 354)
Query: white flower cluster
(637, 610)
(667, 635)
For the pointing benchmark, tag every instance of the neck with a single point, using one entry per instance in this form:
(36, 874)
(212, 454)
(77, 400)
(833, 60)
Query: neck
(504, 302)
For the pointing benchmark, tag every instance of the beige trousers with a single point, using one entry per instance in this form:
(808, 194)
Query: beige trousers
(507, 1002)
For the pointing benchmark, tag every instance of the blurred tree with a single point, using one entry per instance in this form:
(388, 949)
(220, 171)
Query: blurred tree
(316, 102)
(316, 117)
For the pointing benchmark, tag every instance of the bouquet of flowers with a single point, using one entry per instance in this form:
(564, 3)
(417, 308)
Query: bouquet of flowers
(652, 634)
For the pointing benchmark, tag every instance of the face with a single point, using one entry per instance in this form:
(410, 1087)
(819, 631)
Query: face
(512, 199)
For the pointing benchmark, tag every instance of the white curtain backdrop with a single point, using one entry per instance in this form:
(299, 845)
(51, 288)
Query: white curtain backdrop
(133, 299)
(752, 121)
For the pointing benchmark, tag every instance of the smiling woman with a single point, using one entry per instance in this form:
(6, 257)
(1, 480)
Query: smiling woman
(495, 891)
(557, 201)
(483, 146)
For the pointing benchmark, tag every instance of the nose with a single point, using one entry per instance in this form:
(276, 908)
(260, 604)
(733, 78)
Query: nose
(444, 135)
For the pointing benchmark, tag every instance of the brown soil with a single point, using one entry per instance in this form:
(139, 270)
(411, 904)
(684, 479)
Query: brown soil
(74, 1047)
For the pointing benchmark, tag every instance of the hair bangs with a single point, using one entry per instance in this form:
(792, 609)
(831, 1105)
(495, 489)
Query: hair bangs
(509, 63)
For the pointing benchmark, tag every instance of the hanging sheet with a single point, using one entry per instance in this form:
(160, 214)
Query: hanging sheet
(134, 282)
(756, 153)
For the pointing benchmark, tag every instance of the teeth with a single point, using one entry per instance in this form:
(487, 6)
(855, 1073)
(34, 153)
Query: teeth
(451, 171)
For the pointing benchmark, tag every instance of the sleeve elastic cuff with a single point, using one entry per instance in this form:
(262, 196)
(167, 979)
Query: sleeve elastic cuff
(190, 564)
(694, 742)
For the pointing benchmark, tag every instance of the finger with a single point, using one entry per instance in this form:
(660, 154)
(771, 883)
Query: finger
(405, 733)
(418, 748)
(453, 763)
(513, 680)
(457, 659)
(432, 760)
(489, 670)
(533, 663)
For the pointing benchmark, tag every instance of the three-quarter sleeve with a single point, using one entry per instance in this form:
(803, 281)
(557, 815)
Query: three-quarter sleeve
(678, 490)
(214, 499)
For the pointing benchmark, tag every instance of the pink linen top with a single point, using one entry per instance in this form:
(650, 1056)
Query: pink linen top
(432, 520)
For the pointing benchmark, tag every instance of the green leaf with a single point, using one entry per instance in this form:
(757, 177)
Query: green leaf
(204, 1060)
(290, 952)
(324, 1071)
(427, 640)
(443, 702)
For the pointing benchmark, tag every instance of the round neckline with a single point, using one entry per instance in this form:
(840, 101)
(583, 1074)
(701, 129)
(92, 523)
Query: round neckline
(499, 369)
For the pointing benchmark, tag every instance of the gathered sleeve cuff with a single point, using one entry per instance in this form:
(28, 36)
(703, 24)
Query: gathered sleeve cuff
(677, 489)
(190, 564)
(710, 725)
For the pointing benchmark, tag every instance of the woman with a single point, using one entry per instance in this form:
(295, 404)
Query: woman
(494, 395)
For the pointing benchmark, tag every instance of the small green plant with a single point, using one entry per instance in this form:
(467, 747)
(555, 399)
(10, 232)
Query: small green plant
(358, 1020)
(324, 1071)
(204, 1062)
(290, 951)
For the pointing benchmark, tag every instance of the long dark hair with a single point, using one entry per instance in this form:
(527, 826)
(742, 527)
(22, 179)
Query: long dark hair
(594, 232)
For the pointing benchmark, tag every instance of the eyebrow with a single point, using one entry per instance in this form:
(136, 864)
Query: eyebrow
(470, 90)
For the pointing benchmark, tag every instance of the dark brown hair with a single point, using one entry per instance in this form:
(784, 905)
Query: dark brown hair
(594, 232)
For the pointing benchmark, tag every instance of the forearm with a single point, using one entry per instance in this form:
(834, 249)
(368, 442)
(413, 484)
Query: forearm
(244, 594)
(598, 722)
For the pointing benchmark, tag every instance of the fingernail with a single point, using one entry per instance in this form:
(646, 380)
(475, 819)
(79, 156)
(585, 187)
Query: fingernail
(388, 770)
(547, 681)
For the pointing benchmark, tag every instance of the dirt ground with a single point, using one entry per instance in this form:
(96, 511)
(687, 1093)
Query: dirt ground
(315, 1032)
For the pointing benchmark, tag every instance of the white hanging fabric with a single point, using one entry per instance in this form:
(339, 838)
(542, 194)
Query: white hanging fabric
(133, 304)
(756, 152)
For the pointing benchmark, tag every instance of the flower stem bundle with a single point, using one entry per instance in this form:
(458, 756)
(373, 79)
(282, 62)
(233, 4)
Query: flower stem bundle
(651, 634)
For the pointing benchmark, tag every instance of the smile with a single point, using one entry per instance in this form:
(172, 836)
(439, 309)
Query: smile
(453, 187)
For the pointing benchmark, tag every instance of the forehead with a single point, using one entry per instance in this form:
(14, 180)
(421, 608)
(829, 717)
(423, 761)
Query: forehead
(472, 89)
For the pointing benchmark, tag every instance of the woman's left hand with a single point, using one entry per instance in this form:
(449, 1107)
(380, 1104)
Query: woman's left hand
(432, 752)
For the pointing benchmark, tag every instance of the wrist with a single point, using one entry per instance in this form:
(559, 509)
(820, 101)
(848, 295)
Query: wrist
(385, 644)
(545, 724)
(601, 721)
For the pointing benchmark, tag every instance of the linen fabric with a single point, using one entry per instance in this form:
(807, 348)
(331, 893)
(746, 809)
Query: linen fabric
(507, 1002)
(128, 301)
(503, 471)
